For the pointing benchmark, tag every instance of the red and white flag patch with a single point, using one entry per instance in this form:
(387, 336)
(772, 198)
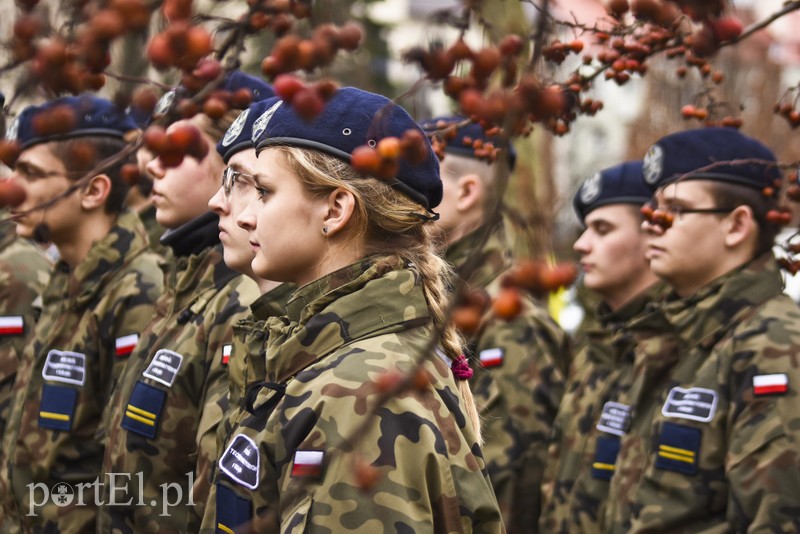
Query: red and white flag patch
(492, 357)
(11, 325)
(308, 464)
(125, 344)
(770, 384)
(226, 353)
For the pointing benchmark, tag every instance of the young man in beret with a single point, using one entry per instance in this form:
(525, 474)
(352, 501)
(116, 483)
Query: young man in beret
(586, 437)
(711, 441)
(100, 295)
(164, 413)
(518, 380)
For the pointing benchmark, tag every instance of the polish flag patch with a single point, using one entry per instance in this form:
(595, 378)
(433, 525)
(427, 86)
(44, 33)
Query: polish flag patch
(226, 354)
(770, 384)
(11, 325)
(308, 464)
(124, 345)
(492, 357)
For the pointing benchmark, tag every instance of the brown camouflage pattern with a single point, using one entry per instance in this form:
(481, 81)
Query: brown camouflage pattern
(573, 494)
(341, 336)
(24, 271)
(84, 310)
(194, 318)
(734, 466)
(519, 398)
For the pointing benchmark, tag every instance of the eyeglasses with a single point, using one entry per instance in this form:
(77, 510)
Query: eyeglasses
(231, 177)
(30, 173)
(664, 216)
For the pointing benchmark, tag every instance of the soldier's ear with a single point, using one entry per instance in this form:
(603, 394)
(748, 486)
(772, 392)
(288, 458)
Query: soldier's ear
(740, 227)
(340, 204)
(95, 192)
(469, 193)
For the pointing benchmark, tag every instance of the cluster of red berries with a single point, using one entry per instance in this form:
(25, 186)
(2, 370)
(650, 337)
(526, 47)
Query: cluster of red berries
(308, 100)
(383, 160)
(446, 132)
(534, 276)
(182, 140)
(707, 115)
(788, 111)
(291, 53)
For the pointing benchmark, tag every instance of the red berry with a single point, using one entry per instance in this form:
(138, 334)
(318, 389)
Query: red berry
(365, 160)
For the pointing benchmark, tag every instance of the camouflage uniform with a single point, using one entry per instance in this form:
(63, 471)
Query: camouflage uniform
(154, 231)
(90, 319)
(517, 385)
(24, 270)
(713, 433)
(287, 467)
(586, 433)
(164, 411)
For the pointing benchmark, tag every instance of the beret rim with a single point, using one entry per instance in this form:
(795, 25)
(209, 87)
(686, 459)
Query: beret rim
(347, 158)
(585, 210)
(303, 143)
(710, 176)
(235, 148)
(73, 134)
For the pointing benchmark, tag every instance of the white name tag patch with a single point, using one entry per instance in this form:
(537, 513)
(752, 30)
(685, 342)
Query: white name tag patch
(615, 418)
(697, 404)
(66, 367)
(164, 367)
(241, 461)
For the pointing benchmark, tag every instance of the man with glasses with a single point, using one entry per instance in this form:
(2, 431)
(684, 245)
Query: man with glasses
(586, 435)
(710, 443)
(100, 295)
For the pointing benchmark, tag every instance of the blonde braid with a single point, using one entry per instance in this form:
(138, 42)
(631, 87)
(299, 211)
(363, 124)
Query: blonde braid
(390, 223)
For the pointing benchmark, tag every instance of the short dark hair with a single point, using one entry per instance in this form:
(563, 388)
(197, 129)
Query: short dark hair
(728, 195)
(99, 148)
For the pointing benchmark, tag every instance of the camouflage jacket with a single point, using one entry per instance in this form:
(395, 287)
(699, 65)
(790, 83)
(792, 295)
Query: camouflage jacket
(90, 319)
(586, 433)
(246, 367)
(320, 451)
(154, 231)
(518, 383)
(713, 426)
(165, 409)
(24, 270)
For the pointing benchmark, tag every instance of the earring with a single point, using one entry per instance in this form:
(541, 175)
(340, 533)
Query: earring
(324, 229)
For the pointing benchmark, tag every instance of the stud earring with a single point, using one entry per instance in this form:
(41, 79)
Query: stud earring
(324, 229)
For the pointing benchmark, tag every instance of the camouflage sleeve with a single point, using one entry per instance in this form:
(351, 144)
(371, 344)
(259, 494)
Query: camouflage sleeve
(763, 459)
(228, 308)
(519, 387)
(413, 470)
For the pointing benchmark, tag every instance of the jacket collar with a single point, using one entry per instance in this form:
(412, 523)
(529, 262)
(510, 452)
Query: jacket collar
(353, 303)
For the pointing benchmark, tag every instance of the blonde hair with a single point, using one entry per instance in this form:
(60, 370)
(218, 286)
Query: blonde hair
(390, 223)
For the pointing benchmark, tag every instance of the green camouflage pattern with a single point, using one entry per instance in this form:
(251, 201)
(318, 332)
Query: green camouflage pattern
(194, 319)
(518, 399)
(342, 337)
(575, 487)
(706, 451)
(85, 310)
(24, 270)
(154, 231)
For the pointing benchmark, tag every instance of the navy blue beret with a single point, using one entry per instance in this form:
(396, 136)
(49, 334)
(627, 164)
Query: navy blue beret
(352, 118)
(240, 134)
(234, 81)
(620, 184)
(461, 144)
(94, 116)
(683, 153)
